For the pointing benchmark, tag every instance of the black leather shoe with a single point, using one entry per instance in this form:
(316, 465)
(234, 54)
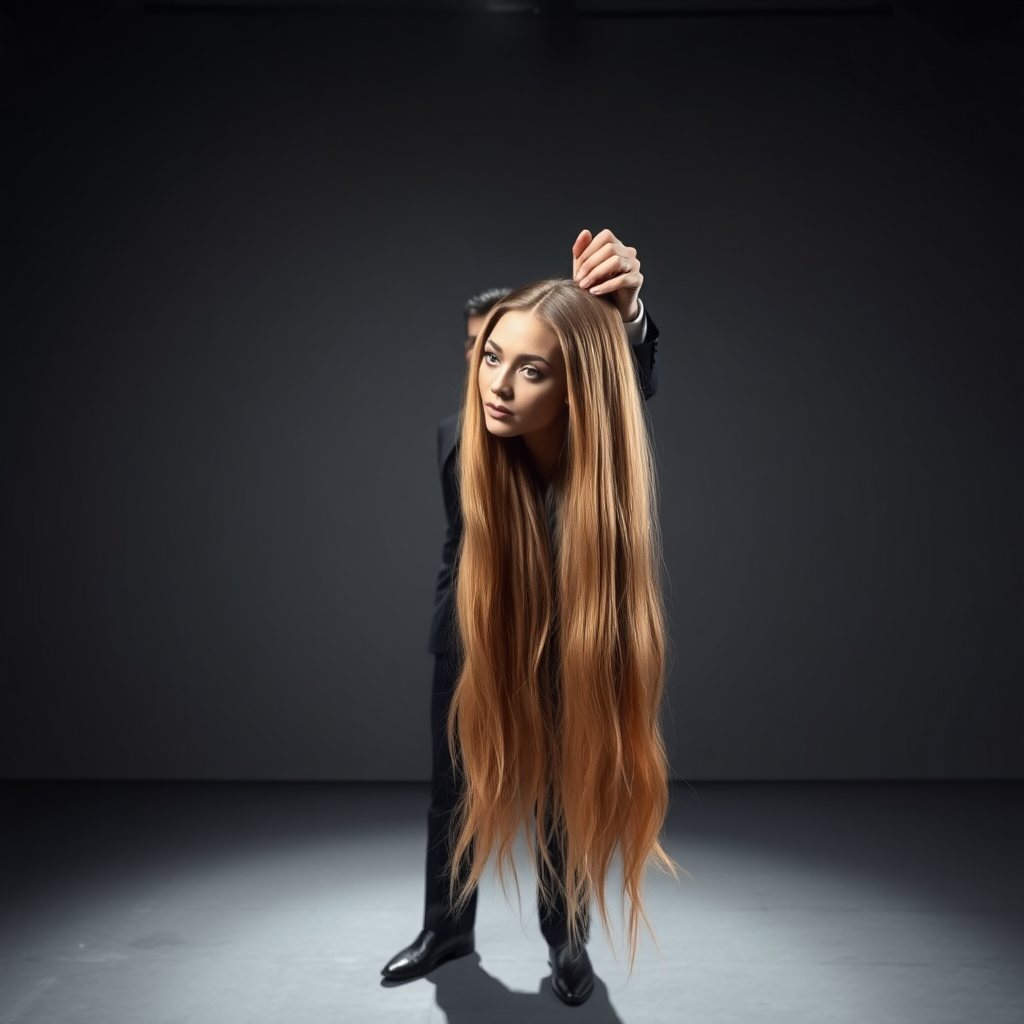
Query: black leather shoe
(429, 950)
(572, 976)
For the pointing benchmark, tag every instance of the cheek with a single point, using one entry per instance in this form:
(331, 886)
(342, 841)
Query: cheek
(547, 406)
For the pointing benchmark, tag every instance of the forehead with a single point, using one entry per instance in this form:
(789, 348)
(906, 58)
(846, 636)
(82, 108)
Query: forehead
(521, 332)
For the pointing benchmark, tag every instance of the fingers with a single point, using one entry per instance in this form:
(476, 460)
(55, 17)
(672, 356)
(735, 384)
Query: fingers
(601, 248)
(590, 246)
(604, 266)
(616, 286)
(599, 270)
(583, 240)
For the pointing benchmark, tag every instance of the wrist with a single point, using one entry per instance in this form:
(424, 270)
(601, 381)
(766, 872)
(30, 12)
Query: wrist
(631, 313)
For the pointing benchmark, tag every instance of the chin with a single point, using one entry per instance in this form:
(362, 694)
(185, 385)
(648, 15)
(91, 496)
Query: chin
(499, 429)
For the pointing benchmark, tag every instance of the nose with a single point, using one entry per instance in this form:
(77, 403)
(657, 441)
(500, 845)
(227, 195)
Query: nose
(500, 386)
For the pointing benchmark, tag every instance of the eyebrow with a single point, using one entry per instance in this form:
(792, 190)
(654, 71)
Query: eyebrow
(521, 359)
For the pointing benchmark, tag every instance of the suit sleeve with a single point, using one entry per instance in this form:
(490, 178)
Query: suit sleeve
(442, 627)
(644, 360)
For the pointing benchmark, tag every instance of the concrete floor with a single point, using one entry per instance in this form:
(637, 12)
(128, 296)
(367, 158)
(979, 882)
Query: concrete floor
(170, 903)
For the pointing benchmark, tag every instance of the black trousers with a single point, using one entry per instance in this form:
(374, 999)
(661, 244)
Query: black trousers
(445, 786)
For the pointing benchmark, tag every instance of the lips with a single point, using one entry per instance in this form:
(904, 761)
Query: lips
(500, 410)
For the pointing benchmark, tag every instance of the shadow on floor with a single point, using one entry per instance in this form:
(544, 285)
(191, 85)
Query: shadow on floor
(467, 994)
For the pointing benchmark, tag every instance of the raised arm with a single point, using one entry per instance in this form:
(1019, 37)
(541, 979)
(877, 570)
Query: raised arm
(606, 266)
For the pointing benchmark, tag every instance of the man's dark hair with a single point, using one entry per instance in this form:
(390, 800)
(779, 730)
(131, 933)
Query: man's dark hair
(481, 305)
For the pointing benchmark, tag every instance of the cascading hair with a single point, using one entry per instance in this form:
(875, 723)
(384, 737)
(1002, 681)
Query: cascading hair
(555, 716)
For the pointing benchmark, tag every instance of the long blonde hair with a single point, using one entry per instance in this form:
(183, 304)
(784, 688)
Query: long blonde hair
(555, 715)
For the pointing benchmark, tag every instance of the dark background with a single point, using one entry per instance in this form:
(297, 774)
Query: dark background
(236, 241)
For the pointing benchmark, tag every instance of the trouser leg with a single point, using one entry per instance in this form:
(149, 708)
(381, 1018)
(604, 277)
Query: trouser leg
(444, 793)
(551, 908)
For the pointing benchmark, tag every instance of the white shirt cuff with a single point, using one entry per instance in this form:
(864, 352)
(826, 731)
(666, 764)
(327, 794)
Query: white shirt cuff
(636, 330)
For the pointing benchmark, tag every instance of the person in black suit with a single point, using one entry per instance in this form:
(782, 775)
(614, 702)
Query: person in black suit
(605, 266)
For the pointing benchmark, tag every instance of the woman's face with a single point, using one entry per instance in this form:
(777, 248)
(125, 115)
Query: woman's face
(522, 379)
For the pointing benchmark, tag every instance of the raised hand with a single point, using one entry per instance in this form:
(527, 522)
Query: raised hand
(604, 266)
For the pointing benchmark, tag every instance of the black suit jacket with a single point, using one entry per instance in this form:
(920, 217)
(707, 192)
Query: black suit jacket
(442, 628)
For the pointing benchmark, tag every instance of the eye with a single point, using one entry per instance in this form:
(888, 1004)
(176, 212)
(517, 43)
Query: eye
(488, 356)
(532, 373)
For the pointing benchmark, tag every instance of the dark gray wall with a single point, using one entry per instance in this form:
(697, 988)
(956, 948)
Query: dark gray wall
(235, 248)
